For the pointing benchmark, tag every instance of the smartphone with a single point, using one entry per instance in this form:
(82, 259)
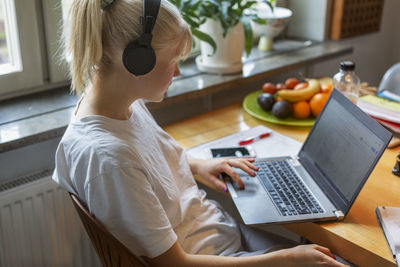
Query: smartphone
(239, 151)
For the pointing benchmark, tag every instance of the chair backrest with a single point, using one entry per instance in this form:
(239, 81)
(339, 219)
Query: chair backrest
(110, 251)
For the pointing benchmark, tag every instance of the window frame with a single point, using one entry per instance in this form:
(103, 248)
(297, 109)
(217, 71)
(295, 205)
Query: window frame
(38, 31)
(11, 32)
(30, 73)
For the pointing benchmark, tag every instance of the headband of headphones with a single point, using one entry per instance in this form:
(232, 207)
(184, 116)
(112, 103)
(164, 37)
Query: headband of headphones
(148, 20)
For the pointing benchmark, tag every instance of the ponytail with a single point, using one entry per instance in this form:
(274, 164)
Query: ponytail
(83, 43)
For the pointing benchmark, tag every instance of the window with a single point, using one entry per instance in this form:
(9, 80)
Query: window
(10, 59)
(4, 58)
(29, 43)
(9, 48)
(30, 32)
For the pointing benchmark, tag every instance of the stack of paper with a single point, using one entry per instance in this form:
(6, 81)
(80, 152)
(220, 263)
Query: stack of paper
(389, 95)
(385, 111)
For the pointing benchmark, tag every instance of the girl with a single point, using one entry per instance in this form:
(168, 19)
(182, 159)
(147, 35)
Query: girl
(132, 175)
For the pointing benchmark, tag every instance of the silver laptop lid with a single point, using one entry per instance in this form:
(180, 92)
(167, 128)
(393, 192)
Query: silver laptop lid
(342, 149)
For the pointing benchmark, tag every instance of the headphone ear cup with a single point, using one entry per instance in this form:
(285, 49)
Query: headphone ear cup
(138, 60)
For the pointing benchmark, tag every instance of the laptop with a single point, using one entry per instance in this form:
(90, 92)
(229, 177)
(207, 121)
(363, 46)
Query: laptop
(323, 180)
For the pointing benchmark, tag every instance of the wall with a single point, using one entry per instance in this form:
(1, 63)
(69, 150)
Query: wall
(373, 53)
(310, 20)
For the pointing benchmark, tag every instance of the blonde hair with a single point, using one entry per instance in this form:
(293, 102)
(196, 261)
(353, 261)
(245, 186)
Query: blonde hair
(92, 35)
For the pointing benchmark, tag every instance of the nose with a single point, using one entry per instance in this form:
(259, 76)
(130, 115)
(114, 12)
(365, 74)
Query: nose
(177, 72)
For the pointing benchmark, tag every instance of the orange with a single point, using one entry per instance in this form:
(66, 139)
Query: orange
(326, 88)
(317, 103)
(301, 110)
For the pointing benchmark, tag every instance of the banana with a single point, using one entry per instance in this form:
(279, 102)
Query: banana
(325, 81)
(302, 94)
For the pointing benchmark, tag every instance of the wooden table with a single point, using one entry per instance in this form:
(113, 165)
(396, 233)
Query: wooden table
(359, 237)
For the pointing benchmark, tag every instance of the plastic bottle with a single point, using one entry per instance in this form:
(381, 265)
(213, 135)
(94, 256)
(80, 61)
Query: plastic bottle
(346, 81)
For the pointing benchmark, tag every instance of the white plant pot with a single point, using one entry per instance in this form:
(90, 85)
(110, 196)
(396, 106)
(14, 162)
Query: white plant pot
(276, 23)
(228, 56)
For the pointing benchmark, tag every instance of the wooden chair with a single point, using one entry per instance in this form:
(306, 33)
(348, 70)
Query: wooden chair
(110, 251)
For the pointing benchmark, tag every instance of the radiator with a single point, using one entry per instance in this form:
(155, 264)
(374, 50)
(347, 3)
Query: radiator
(39, 226)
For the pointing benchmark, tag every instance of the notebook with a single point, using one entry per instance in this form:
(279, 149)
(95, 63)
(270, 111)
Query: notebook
(389, 218)
(321, 181)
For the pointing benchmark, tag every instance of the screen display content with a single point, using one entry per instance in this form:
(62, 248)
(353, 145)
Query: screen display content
(350, 155)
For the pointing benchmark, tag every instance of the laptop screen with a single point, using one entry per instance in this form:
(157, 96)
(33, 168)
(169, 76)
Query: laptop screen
(343, 148)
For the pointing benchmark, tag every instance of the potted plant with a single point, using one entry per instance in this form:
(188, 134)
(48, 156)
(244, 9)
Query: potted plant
(224, 30)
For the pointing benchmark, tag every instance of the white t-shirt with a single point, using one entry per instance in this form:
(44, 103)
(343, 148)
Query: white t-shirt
(136, 180)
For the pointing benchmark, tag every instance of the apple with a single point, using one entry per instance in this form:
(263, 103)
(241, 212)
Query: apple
(300, 86)
(269, 88)
(291, 83)
(280, 86)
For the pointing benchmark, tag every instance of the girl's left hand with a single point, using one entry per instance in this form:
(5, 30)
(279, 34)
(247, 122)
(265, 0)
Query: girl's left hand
(211, 169)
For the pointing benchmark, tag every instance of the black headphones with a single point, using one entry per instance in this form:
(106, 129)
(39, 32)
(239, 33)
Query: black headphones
(139, 57)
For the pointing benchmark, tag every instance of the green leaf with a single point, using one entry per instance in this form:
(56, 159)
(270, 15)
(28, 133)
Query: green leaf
(213, 2)
(249, 4)
(196, 5)
(205, 38)
(190, 4)
(248, 35)
(259, 20)
(225, 10)
(192, 13)
(270, 4)
(190, 21)
(180, 4)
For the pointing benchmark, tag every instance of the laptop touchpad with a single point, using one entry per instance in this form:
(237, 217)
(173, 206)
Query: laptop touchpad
(250, 186)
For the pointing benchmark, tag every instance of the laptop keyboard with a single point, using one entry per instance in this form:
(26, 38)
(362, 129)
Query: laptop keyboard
(287, 191)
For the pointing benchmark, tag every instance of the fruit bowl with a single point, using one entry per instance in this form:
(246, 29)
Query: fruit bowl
(250, 106)
(276, 22)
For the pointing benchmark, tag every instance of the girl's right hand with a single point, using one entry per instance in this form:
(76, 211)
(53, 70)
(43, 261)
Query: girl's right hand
(310, 255)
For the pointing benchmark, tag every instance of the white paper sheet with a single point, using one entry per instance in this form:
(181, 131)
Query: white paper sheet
(272, 146)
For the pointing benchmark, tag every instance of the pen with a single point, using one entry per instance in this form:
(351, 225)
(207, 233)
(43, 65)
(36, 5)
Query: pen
(253, 139)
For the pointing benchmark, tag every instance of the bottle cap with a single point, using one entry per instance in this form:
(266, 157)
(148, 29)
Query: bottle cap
(347, 65)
